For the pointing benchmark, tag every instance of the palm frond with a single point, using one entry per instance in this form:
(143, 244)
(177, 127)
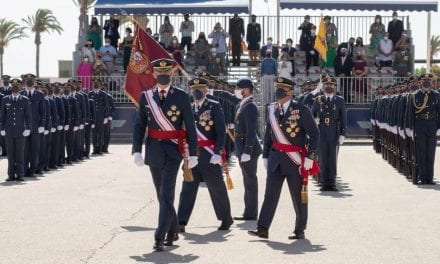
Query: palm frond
(10, 30)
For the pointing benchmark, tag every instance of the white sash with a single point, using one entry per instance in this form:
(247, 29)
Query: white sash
(279, 135)
(201, 137)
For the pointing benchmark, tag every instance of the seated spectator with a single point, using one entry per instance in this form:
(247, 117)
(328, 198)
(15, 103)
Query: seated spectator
(348, 45)
(386, 51)
(176, 50)
(291, 52)
(166, 32)
(89, 51)
(285, 66)
(360, 72)
(201, 48)
(108, 53)
(218, 36)
(404, 43)
(360, 48)
(85, 73)
(343, 66)
(269, 46)
(269, 70)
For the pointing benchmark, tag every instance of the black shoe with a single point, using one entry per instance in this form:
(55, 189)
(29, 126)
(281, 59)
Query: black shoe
(245, 218)
(53, 167)
(423, 182)
(260, 232)
(19, 179)
(181, 228)
(38, 172)
(30, 175)
(158, 246)
(332, 189)
(46, 169)
(69, 162)
(10, 179)
(225, 225)
(171, 237)
(60, 165)
(105, 151)
(430, 182)
(297, 236)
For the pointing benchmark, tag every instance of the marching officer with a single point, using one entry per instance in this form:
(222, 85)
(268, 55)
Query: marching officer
(100, 100)
(330, 109)
(165, 110)
(38, 107)
(288, 126)
(247, 143)
(424, 114)
(15, 125)
(210, 126)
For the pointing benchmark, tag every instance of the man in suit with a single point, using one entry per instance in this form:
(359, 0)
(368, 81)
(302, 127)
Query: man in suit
(236, 34)
(331, 111)
(343, 66)
(101, 107)
(247, 144)
(270, 46)
(15, 125)
(253, 38)
(395, 28)
(164, 110)
(111, 31)
(38, 106)
(348, 45)
(210, 125)
(290, 128)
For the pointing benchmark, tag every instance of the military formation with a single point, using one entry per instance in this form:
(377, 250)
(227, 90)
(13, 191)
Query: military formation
(190, 131)
(46, 126)
(405, 121)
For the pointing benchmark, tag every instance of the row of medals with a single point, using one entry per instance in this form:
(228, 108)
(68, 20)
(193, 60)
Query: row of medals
(173, 113)
(292, 129)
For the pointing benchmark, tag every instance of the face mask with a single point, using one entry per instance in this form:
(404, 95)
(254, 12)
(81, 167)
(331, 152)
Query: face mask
(313, 32)
(107, 43)
(426, 84)
(377, 20)
(198, 95)
(404, 34)
(253, 20)
(15, 89)
(280, 93)
(268, 55)
(269, 42)
(394, 17)
(6, 83)
(186, 18)
(358, 42)
(163, 79)
(385, 38)
(328, 89)
(289, 44)
(86, 59)
(29, 83)
(127, 33)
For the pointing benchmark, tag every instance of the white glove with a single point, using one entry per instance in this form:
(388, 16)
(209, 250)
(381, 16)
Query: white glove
(110, 118)
(26, 133)
(193, 161)
(231, 126)
(211, 91)
(138, 159)
(60, 127)
(41, 130)
(93, 126)
(341, 140)
(66, 127)
(3, 133)
(216, 159)
(308, 163)
(394, 130)
(409, 133)
(105, 121)
(265, 163)
(438, 132)
(81, 126)
(373, 121)
(75, 128)
(53, 130)
(87, 124)
(312, 52)
(245, 157)
(402, 133)
(46, 132)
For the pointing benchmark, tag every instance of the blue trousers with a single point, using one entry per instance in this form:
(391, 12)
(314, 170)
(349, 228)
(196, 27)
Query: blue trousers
(250, 182)
(327, 162)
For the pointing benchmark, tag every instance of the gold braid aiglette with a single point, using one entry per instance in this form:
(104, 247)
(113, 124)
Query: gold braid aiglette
(423, 106)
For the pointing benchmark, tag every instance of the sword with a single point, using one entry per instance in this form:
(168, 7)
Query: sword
(187, 172)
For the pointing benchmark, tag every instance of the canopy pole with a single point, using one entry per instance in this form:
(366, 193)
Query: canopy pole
(250, 8)
(278, 21)
(428, 58)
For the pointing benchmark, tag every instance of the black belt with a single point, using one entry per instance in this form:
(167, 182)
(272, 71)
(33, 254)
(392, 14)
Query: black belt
(238, 135)
(426, 116)
(326, 121)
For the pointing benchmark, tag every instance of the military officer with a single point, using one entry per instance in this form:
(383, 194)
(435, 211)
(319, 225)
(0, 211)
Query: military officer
(247, 143)
(100, 100)
(58, 114)
(165, 110)
(15, 125)
(38, 106)
(210, 125)
(330, 109)
(108, 126)
(82, 116)
(90, 124)
(288, 126)
(73, 123)
(45, 139)
(68, 112)
(424, 114)
(6, 88)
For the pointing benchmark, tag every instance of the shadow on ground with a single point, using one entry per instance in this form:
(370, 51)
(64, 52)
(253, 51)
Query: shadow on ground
(301, 246)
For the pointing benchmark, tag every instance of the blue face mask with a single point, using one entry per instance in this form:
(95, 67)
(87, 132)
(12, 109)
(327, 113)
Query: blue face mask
(197, 94)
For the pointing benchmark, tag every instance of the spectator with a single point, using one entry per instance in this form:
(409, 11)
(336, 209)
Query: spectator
(312, 56)
(395, 28)
(201, 48)
(377, 30)
(360, 72)
(89, 51)
(348, 45)
(285, 67)
(236, 34)
(386, 51)
(305, 28)
(332, 42)
(253, 38)
(176, 50)
(291, 52)
(343, 66)
(271, 47)
(108, 53)
(402, 64)
(404, 43)
(149, 31)
(111, 31)
(269, 69)
(126, 46)
(94, 33)
(99, 68)
(215, 68)
(218, 36)
(187, 29)
(166, 32)
(190, 62)
(85, 73)
(360, 48)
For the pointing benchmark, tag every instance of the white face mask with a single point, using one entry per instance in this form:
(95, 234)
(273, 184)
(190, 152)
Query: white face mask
(385, 38)
(269, 42)
(289, 44)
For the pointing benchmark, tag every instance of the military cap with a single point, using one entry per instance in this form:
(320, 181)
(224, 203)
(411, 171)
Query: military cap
(329, 79)
(307, 82)
(16, 82)
(7, 77)
(245, 83)
(281, 82)
(162, 65)
(206, 76)
(69, 85)
(72, 81)
(412, 79)
(28, 76)
(39, 82)
(426, 76)
(198, 83)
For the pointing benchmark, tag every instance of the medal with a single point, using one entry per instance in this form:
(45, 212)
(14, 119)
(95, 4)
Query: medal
(293, 134)
(203, 123)
(288, 130)
(173, 107)
(211, 122)
(170, 113)
(207, 128)
(174, 118)
(178, 112)
(297, 129)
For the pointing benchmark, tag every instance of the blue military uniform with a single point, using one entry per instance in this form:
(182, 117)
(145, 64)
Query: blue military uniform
(108, 126)
(100, 100)
(45, 139)
(91, 124)
(59, 132)
(63, 134)
(15, 118)
(331, 112)
(210, 121)
(74, 122)
(5, 90)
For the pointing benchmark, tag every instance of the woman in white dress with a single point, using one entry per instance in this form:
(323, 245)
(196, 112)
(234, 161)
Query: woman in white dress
(285, 66)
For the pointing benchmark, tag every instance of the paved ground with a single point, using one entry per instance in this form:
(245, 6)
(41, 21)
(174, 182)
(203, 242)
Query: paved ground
(104, 211)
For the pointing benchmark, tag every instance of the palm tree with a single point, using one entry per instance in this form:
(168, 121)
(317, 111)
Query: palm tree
(84, 6)
(435, 46)
(9, 30)
(43, 21)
